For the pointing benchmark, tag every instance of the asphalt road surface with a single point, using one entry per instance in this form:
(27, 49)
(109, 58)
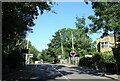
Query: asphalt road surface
(55, 72)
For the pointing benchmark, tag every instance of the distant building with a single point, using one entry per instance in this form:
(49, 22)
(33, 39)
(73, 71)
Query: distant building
(105, 44)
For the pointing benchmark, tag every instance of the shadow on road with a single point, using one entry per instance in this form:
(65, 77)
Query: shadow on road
(43, 72)
(47, 72)
(91, 71)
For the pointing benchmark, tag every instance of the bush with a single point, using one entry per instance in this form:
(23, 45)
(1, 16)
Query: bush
(94, 62)
(98, 60)
(86, 61)
(108, 57)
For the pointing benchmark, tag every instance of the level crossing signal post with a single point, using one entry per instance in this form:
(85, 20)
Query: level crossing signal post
(25, 51)
(72, 55)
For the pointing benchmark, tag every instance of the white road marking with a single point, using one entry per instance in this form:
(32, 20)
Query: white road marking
(61, 74)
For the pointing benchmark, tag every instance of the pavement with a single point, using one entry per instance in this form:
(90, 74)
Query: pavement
(114, 76)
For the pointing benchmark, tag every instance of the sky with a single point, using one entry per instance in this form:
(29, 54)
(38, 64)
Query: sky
(48, 23)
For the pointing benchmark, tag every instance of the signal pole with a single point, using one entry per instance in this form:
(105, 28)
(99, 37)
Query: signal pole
(72, 41)
(73, 59)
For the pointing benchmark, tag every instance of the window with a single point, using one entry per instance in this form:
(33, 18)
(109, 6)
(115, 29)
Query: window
(103, 44)
(106, 44)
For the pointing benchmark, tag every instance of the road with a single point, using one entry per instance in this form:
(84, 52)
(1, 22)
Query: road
(55, 72)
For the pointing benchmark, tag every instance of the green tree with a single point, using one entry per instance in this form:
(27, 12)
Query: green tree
(18, 19)
(34, 51)
(54, 47)
(107, 18)
(83, 41)
(62, 41)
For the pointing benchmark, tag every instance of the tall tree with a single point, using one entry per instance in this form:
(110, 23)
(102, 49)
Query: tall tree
(61, 44)
(18, 19)
(107, 18)
(81, 33)
(34, 51)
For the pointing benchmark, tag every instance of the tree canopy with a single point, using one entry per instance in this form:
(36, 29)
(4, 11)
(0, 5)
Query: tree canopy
(62, 41)
(107, 17)
(17, 20)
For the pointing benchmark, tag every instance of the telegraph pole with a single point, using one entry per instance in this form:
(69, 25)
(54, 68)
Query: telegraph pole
(72, 52)
(72, 42)
(62, 49)
(62, 57)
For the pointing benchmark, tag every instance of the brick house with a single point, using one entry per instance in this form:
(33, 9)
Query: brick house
(105, 44)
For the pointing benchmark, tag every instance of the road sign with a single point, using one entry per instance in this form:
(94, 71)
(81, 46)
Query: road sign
(30, 55)
(72, 53)
(88, 55)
